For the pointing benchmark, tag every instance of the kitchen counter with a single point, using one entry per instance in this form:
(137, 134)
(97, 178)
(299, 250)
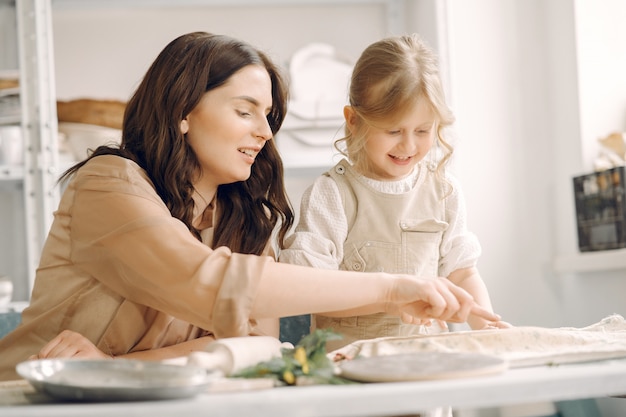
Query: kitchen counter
(514, 386)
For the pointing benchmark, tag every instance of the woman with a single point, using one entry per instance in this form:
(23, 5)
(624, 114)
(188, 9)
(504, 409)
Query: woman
(163, 244)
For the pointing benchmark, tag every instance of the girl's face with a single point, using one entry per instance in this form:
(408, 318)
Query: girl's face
(228, 128)
(393, 150)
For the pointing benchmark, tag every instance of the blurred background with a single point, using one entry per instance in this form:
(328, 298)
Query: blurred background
(534, 85)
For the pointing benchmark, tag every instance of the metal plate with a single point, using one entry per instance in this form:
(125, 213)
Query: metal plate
(421, 366)
(114, 380)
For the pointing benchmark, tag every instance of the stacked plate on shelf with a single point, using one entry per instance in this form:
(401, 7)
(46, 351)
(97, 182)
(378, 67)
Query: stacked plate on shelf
(11, 153)
(319, 90)
(9, 97)
(86, 123)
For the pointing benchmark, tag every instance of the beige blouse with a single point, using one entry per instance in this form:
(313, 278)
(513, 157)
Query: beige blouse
(118, 268)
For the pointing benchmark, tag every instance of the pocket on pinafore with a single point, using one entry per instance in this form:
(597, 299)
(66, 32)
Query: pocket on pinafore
(421, 240)
(372, 256)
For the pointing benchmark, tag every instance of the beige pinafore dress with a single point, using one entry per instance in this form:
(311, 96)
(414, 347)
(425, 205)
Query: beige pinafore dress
(395, 233)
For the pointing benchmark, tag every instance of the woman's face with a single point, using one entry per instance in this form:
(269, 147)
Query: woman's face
(393, 149)
(228, 127)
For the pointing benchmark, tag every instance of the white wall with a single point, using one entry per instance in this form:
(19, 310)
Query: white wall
(535, 83)
(530, 104)
(103, 52)
(8, 27)
(601, 46)
(601, 64)
(505, 151)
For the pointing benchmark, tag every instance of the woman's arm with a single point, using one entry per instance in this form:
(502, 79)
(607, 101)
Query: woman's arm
(173, 351)
(411, 298)
(286, 290)
(156, 261)
(69, 344)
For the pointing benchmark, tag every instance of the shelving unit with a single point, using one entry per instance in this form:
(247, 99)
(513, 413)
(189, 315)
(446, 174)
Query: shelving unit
(33, 184)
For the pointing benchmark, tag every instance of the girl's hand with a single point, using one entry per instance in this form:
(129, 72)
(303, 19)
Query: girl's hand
(69, 344)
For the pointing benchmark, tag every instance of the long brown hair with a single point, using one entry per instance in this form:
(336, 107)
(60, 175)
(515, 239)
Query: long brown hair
(189, 66)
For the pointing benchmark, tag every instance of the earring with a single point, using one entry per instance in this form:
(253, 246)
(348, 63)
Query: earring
(184, 126)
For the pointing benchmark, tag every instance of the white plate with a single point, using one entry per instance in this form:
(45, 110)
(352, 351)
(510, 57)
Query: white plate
(421, 366)
(114, 380)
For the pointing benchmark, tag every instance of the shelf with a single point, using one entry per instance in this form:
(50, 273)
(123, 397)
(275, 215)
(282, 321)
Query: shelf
(10, 111)
(606, 260)
(11, 91)
(10, 120)
(125, 4)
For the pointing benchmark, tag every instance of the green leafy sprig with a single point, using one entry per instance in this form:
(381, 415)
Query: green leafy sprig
(305, 364)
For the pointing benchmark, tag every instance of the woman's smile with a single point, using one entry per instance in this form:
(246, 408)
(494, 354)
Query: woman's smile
(249, 153)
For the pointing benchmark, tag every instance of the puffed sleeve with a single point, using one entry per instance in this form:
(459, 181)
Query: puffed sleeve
(322, 228)
(460, 248)
(124, 236)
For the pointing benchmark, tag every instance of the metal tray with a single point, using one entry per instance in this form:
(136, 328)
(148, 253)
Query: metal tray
(114, 380)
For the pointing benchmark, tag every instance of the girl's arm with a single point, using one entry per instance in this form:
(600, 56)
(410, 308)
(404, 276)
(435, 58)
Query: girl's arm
(321, 230)
(470, 280)
(460, 251)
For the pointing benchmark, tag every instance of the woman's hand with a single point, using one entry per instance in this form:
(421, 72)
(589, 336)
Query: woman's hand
(417, 300)
(497, 325)
(69, 344)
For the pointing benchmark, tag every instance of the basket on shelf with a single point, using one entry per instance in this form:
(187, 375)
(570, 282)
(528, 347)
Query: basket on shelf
(600, 210)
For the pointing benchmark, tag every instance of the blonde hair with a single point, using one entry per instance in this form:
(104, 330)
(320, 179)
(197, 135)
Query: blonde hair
(389, 77)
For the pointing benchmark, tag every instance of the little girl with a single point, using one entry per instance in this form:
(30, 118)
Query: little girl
(390, 205)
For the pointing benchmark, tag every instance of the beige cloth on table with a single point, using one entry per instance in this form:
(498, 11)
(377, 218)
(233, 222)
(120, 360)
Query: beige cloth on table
(519, 346)
(118, 268)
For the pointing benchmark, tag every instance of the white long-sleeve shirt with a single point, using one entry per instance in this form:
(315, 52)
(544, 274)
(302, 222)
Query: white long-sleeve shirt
(323, 227)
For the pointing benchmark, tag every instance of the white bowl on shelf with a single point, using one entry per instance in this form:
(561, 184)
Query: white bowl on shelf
(81, 137)
(11, 145)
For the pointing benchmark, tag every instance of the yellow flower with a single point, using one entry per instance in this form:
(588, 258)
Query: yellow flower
(300, 356)
(288, 377)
